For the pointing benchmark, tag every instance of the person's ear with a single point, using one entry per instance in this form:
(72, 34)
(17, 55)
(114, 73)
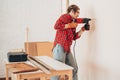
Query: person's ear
(72, 11)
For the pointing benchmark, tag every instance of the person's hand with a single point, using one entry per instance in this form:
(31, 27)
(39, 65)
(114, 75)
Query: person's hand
(87, 26)
(81, 31)
(71, 25)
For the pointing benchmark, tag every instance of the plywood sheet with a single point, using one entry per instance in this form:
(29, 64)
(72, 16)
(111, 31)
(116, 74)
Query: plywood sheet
(31, 48)
(44, 48)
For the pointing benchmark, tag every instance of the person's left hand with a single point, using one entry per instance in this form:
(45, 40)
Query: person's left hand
(81, 31)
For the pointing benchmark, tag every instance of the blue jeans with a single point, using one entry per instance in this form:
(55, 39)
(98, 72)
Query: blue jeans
(67, 58)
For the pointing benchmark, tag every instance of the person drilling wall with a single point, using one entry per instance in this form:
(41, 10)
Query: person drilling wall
(65, 28)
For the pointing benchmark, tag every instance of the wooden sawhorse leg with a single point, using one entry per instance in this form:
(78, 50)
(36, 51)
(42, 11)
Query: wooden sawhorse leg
(7, 74)
(70, 75)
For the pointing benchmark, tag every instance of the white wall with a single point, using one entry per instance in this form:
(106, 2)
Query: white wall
(16, 15)
(98, 50)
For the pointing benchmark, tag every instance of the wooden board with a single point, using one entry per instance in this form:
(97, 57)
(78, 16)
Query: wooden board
(54, 64)
(31, 48)
(39, 48)
(41, 67)
(41, 63)
(44, 48)
(23, 67)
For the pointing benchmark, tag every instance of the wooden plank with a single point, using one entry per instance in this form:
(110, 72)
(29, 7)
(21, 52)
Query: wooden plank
(7, 73)
(67, 3)
(38, 74)
(22, 67)
(31, 48)
(44, 48)
(32, 75)
(39, 48)
(56, 65)
(41, 63)
(70, 75)
(43, 78)
(39, 66)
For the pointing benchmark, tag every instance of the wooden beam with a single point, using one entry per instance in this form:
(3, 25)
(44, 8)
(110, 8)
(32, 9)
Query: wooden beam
(5, 79)
(41, 63)
(39, 66)
(67, 3)
(27, 48)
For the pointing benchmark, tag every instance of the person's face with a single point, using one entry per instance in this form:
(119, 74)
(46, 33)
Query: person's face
(75, 14)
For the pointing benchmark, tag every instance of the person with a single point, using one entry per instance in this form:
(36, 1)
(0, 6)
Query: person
(65, 28)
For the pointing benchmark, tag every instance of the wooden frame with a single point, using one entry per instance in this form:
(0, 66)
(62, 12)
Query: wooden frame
(41, 75)
(57, 70)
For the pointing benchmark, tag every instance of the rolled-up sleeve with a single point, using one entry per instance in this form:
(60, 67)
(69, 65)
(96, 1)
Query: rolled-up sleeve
(60, 23)
(79, 20)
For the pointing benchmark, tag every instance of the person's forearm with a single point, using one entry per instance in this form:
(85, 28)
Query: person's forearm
(71, 25)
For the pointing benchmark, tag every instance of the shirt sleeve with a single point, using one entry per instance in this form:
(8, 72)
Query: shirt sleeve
(60, 23)
(79, 20)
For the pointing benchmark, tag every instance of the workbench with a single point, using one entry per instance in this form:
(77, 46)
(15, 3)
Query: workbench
(58, 69)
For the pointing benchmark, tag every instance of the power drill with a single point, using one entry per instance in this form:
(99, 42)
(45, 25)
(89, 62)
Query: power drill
(83, 20)
(87, 26)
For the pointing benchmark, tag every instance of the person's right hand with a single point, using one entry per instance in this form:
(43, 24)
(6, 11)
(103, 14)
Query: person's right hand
(87, 26)
(86, 20)
(71, 25)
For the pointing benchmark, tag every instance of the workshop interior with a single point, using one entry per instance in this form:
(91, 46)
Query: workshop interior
(27, 40)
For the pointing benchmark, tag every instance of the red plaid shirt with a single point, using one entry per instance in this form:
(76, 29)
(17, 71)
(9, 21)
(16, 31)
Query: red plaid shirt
(64, 37)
